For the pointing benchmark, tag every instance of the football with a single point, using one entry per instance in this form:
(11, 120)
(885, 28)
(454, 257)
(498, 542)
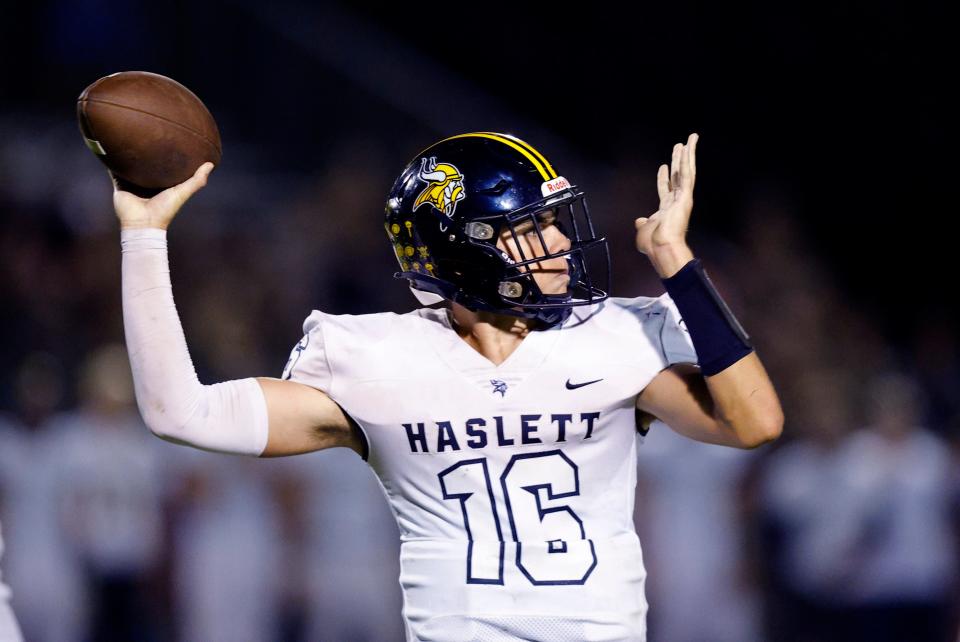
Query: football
(149, 130)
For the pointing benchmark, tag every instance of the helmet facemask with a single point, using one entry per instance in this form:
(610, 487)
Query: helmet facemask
(518, 291)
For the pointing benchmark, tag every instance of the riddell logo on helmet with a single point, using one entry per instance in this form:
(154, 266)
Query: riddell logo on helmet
(554, 186)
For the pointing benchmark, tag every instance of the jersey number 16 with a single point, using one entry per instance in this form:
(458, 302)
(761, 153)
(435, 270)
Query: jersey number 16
(551, 543)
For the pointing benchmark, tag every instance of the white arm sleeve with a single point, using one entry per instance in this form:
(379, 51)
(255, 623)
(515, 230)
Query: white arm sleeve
(228, 417)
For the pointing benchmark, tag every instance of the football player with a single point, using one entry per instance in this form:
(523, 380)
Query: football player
(500, 424)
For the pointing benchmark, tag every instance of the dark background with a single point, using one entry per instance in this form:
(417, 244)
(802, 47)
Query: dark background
(839, 107)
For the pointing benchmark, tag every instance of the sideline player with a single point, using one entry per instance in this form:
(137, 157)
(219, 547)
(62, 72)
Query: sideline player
(502, 426)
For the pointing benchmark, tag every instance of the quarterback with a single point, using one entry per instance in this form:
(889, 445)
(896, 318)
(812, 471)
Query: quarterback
(500, 418)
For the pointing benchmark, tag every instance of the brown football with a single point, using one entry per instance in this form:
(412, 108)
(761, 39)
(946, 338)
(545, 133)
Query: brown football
(149, 130)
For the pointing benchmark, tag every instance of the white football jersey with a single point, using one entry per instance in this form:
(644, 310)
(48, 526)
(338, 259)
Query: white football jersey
(513, 485)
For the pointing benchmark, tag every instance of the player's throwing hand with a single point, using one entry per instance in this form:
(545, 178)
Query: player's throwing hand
(157, 212)
(667, 227)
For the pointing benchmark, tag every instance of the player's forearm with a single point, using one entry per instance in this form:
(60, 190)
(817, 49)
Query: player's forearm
(228, 416)
(746, 403)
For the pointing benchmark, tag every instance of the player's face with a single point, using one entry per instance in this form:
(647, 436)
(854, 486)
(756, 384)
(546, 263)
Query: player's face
(551, 275)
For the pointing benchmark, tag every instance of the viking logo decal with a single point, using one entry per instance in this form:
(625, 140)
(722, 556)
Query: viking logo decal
(444, 187)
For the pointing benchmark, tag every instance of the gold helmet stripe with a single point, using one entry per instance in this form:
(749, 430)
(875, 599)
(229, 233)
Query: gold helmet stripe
(532, 155)
(531, 148)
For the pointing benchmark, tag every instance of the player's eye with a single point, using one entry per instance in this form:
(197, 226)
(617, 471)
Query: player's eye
(524, 228)
(527, 228)
(546, 218)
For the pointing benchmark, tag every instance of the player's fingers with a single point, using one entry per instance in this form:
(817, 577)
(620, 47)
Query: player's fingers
(193, 184)
(687, 171)
(692, 144)
(640, 222)
(675, 178)
(663, 182)
(202, 174)
(686, 167)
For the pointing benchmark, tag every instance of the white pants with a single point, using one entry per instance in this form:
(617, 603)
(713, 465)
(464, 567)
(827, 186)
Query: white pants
(9, 631)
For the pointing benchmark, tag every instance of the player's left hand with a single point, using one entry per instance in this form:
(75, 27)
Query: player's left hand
(667, 227)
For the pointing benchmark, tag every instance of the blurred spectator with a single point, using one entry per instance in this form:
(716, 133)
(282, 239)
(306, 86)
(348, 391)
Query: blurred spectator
(860, 522)
(808, 502)
(348, 547)
(904, 566)
(39, 569)
(697, 587)
(109, 495)
(226, 567)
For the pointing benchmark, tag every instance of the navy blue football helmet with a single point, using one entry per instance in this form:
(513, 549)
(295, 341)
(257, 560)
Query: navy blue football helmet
(456, 198)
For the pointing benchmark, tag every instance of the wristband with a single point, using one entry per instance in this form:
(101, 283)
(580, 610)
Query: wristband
(717, 336)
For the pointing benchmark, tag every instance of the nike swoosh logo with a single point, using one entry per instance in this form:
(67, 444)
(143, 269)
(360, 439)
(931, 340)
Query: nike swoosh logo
(574, 386)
